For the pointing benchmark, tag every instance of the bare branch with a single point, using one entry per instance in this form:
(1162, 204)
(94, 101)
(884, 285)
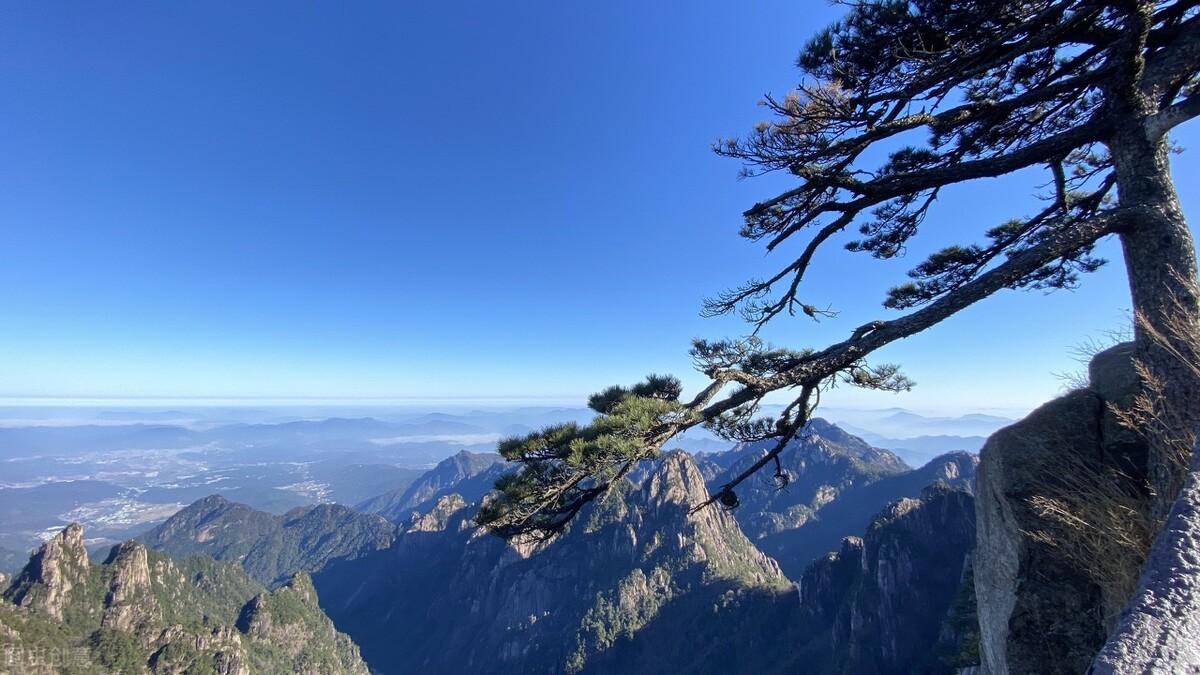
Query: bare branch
(1169, 118)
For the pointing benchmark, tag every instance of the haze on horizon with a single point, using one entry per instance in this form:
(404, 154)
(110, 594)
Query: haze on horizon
(403, 203)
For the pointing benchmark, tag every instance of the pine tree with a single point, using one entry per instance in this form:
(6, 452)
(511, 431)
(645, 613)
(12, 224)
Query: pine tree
(949, 92)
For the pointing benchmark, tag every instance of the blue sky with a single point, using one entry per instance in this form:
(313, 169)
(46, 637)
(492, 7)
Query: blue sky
(435, 200)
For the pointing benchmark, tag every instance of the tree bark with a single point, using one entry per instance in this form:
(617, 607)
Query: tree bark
(1159, 630)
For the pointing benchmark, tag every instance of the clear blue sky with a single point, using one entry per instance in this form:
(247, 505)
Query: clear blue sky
(433, 199)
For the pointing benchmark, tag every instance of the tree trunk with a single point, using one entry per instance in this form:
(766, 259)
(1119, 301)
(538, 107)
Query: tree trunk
(1159, 630)
(1160, 259)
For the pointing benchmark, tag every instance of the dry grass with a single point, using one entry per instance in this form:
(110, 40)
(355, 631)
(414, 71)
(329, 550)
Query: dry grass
(1167, 424)
(1099, 519)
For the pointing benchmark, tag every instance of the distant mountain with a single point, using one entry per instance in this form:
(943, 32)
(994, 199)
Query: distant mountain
(323, 433)
(51, 440)
(143, 415)
(920, 449)
(449, 599)
(837, 483)
(270, 548)
(335, 428)
(526, 417)
(143, 612)
(698, 441)
(903, 424)
(469, 474)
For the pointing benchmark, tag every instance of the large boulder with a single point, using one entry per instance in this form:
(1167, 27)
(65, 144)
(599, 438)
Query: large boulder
(1060, 505)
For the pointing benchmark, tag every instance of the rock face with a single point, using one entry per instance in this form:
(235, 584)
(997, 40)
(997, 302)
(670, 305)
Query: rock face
(1043, 608)
(143, 612)
(448, 598)
(129, 603)
(838, 483)
(891, 601)
(468, 474)
(272, 549)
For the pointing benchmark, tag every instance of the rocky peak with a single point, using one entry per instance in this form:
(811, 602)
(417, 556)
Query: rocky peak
(58, 567)
(301, 584)
(437, 519)
(820, 428)
(709, 537)
(206, 519)
(211, 502)
(822, 585)
(676, 480)
(957, 469)
(129, 602)
(131, 566)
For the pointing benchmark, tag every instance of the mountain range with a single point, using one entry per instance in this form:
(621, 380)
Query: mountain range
(636, 570)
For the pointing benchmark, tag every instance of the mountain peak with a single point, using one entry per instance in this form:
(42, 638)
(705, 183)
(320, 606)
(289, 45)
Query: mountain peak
(213, 501)
(469, 474)
(60, 565)
(301, 584)
(676, 480)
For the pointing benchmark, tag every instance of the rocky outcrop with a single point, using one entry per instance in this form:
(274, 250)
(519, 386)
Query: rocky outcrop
(888, 602)
(143, 612)
(438, 518)
(1060, 498)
